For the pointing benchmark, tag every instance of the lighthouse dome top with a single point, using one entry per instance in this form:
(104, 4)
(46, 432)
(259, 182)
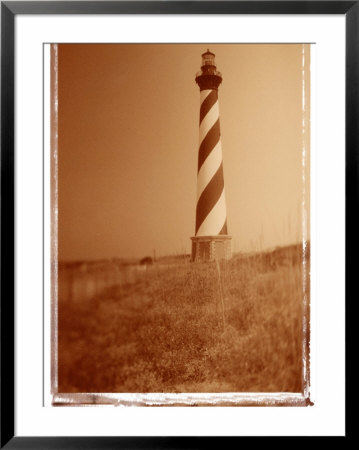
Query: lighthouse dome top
(208, 77)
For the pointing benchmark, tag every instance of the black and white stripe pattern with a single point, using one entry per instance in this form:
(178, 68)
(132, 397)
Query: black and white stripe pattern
(211, 217)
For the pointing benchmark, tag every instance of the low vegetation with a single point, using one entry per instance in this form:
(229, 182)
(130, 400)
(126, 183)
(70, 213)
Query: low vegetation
(232, 326)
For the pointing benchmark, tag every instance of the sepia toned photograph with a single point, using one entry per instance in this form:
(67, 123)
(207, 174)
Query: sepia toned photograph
(180, 224)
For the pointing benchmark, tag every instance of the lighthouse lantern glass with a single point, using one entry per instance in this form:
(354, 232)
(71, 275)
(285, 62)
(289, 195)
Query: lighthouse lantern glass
(208, 59)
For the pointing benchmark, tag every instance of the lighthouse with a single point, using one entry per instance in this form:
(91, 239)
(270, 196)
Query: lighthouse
(211, 240)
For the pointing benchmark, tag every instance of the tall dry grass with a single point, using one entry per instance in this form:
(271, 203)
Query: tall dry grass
(232, 326)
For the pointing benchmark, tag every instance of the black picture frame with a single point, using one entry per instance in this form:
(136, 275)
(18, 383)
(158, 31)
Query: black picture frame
(9, 10)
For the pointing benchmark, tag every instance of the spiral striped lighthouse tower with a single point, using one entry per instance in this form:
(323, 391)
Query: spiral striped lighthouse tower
(211, 240)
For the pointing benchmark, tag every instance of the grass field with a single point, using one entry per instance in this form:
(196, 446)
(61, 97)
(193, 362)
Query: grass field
(232, 326)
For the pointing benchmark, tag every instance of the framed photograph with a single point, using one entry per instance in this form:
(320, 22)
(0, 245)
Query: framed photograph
(174, 205)
(175, 311)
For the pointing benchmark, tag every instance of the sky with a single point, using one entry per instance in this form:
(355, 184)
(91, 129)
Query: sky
(128, 135)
